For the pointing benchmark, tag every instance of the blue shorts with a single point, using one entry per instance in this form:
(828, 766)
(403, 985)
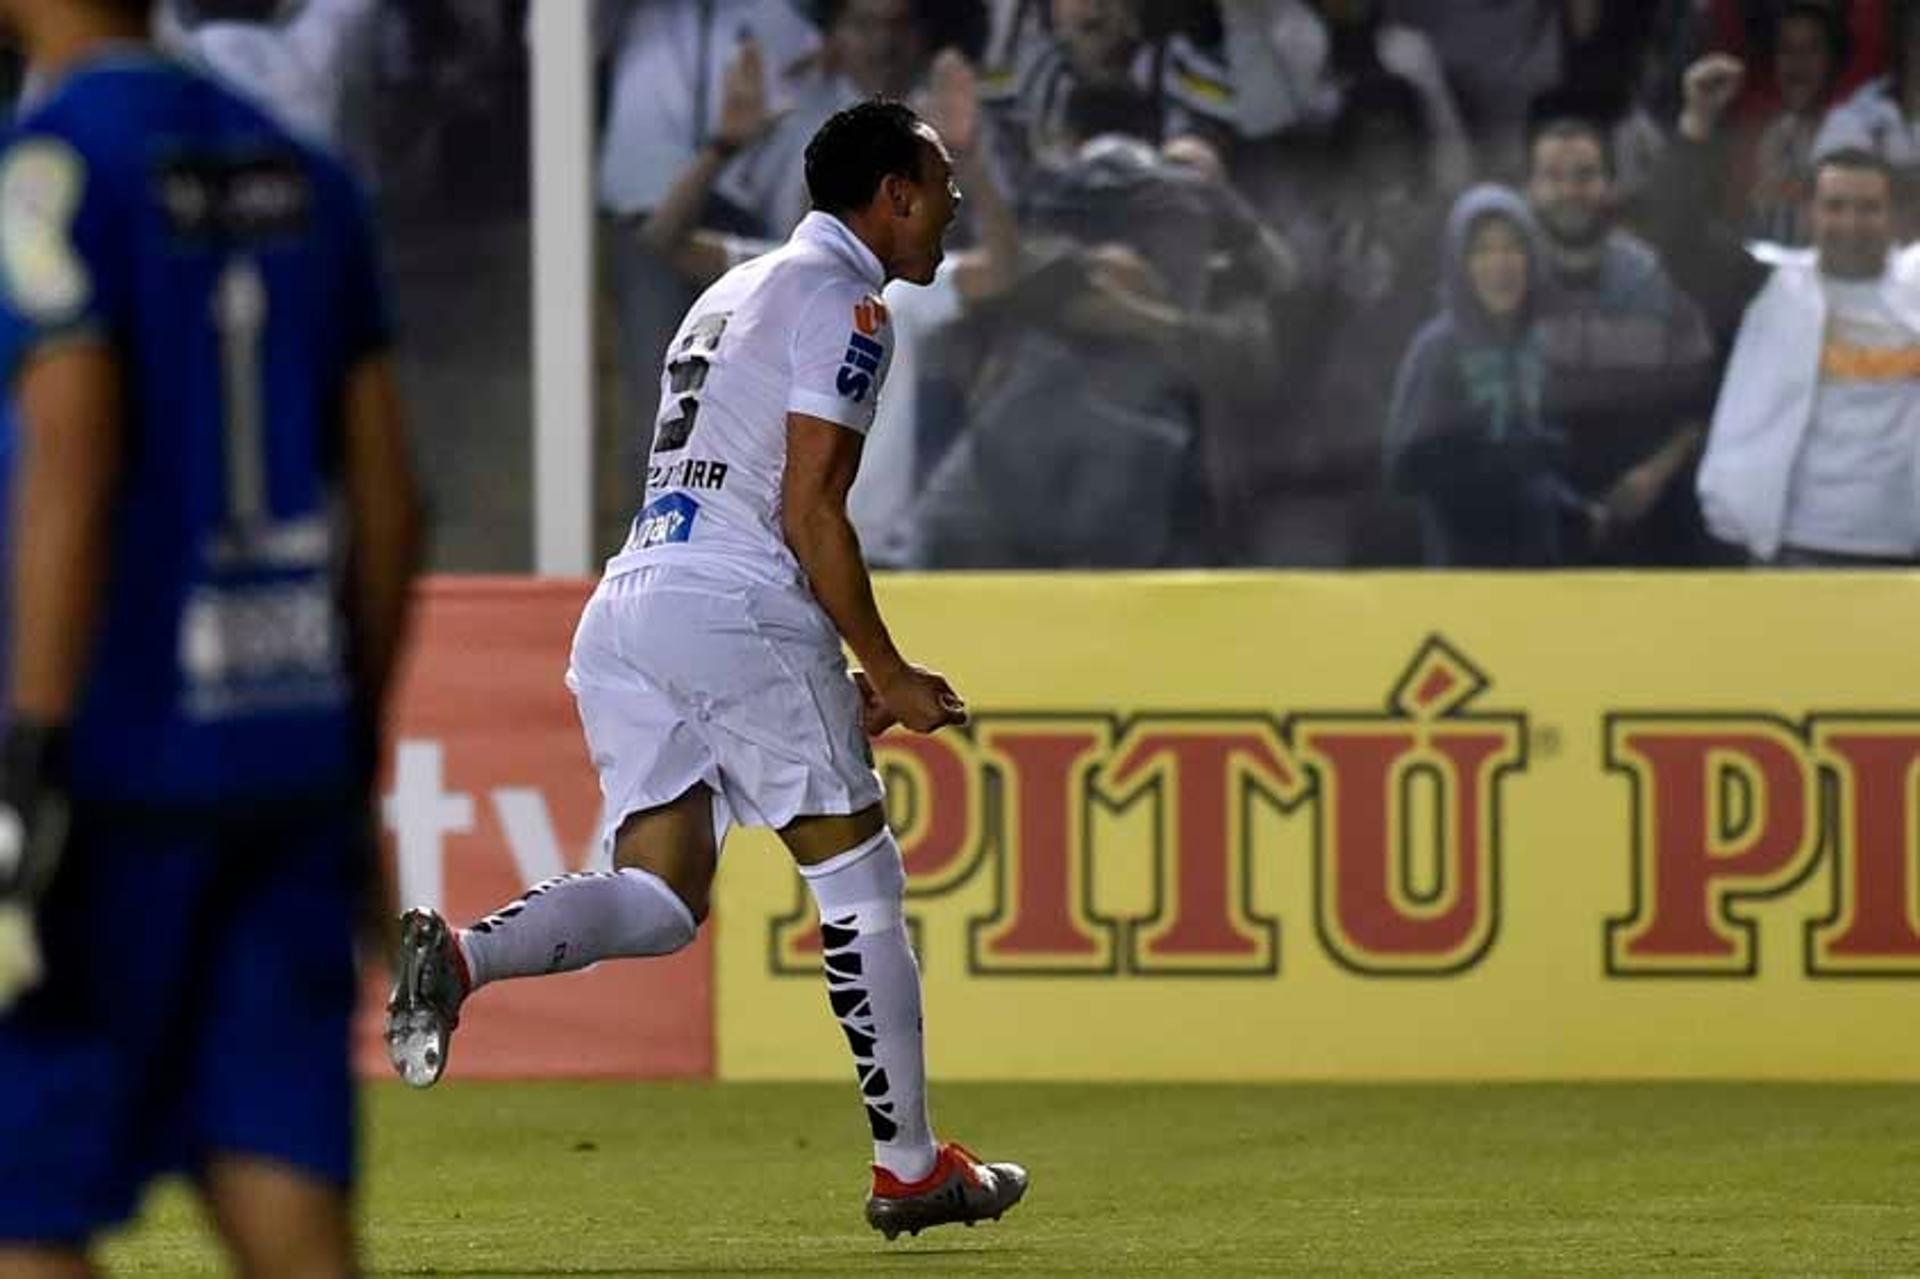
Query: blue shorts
(199, 998)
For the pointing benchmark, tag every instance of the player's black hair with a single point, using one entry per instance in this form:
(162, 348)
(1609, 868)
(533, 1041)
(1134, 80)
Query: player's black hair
(858, 148)
(1094, 110)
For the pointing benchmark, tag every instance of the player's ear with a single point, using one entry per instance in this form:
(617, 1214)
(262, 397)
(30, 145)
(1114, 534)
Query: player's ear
(898, 193)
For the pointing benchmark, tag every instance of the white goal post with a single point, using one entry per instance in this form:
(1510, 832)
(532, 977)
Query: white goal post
(560, 38)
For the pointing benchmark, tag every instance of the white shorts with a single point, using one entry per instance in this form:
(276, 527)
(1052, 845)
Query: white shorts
(685, 679)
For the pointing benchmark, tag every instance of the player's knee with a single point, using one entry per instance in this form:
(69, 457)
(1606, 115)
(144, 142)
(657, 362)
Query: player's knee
(864, 887)
(684, 860)
(691, 886)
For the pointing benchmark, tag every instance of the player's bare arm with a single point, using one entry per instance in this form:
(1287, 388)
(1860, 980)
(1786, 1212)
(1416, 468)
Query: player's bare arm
(822, 460)
(69, 404)
(70, 409)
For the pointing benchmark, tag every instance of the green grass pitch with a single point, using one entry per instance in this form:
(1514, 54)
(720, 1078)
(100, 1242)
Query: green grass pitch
(611, 1179)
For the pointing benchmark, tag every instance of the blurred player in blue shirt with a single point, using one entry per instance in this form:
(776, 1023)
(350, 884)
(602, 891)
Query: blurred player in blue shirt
(213, 529)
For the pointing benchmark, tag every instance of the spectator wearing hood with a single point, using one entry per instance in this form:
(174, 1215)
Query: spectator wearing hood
(1468, 437)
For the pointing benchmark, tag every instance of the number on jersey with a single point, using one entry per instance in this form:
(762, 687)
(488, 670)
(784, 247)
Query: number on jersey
(686, 378)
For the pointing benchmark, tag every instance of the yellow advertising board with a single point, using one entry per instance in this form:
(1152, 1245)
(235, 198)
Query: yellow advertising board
(1252, 827)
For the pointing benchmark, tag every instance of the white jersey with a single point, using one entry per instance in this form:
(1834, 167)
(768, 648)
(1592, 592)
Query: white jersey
(801, 330)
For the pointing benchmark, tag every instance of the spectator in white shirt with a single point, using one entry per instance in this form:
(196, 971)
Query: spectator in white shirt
(1813, 457)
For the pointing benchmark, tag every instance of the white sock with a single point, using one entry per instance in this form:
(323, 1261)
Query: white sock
(874, 985)
(576, 920)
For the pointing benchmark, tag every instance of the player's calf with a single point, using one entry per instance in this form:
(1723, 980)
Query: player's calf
(561, 925)
(873, 985)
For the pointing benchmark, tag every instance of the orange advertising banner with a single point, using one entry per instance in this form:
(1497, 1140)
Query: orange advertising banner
(489, 791)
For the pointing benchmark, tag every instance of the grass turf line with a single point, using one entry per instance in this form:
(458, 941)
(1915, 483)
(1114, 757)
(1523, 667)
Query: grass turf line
(604, 1179)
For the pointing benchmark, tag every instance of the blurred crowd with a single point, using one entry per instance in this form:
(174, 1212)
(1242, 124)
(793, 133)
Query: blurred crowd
(1335, 282)
(1321, 283)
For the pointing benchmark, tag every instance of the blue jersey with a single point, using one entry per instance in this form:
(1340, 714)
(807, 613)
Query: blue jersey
(231, 271)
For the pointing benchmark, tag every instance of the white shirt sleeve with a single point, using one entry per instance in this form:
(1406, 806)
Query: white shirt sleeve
(842, 350)
(257, 62)
(334, 37)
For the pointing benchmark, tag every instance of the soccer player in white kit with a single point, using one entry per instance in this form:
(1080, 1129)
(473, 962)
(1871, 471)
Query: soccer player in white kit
(708, 666)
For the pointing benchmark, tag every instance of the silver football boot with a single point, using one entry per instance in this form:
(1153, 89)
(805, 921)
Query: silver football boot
(960, 1188)
(427, 993)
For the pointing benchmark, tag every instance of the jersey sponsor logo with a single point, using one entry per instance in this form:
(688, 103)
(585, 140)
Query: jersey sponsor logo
(261, 648)
(1846, 362)
(223, 199)
(663, 521)
(864, 351)
(42, 181)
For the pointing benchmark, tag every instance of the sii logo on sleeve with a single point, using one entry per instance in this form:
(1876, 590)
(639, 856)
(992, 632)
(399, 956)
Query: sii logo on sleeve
(864, 351)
